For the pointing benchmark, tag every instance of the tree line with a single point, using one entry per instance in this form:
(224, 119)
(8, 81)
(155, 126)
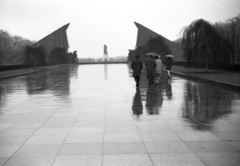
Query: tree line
(11, 44)
(230, 30)
(212, 44)
(203, 44)
(32, 54)
(37, 55)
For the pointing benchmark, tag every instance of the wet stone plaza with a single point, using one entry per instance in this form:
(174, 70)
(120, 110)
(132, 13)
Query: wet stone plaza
(93, 115)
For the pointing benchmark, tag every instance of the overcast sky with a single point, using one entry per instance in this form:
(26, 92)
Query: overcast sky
(94, 23)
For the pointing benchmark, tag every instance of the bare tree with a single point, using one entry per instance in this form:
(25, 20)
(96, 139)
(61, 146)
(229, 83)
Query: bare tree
(11, 45)
(35, 56)
(201, 42)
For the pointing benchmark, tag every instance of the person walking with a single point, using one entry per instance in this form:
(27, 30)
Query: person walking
(150, 69)
(169, 66)
(158, 69)
(137, 66)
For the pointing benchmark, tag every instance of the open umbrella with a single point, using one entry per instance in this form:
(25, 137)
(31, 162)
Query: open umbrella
(169, 56)
(152, 54)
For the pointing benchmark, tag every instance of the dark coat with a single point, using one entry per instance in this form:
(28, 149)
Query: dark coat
(137, 66)
(168, 64)
(150, 66)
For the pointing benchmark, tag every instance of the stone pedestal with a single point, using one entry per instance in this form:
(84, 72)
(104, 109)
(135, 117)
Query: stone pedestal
(105, 57)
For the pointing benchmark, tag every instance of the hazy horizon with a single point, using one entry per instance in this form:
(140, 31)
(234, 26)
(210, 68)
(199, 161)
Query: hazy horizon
(94, 23)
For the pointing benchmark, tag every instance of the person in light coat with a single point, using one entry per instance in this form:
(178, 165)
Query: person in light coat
(158, 69)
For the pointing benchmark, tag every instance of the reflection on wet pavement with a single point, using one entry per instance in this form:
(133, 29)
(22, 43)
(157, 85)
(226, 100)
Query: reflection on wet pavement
(94, 115)
(137, 106)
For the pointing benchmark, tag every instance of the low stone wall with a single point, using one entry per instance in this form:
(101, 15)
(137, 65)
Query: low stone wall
(231, 67)
(11, 67)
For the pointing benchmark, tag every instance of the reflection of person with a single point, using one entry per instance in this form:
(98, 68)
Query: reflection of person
(154, 100)
(158, 69)
(2, 93)
(150, 69)
(168, 66)
(159, 99)
(169, 90)
(137, 68)
(137, 107)
(105, 49)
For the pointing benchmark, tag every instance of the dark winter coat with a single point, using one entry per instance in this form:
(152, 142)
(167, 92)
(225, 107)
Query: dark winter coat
(137, 66)
(168, 64)
(150, 66)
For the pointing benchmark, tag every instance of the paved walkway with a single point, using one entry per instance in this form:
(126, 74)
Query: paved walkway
(69, 117)
(218, 76)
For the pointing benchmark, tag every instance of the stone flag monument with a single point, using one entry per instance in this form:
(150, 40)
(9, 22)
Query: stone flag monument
(105, 53)
(58, 38)
(144, 34)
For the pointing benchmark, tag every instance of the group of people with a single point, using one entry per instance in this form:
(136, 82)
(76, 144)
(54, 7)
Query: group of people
(154, 68)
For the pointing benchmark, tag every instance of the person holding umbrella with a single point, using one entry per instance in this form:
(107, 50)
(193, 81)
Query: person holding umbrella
(169, 64)
(150, 67)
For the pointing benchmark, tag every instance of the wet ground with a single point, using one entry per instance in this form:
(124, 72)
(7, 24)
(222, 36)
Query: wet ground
(94, 115)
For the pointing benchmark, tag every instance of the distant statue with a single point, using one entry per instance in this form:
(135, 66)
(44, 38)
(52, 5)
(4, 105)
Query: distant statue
(105, 49)
(105, 55)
